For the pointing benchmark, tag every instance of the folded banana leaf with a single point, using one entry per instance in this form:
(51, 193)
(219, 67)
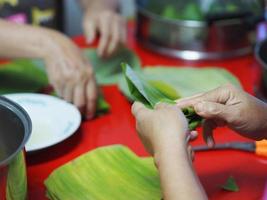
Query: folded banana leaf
(150, 94)
(113, 173)
(108, 70)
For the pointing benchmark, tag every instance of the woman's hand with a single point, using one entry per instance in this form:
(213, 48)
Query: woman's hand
(163, 127)
(69, 72)
(109, 24)
(229, 106)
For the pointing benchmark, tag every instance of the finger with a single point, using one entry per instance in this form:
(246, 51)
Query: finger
(90, 30)
(115, 37)
(208, 127)
(211, 110)
(104, 29)
(123, 32)
(68, 92)
(160, 105)
(193, 135)
(91, 98)
(136, 107)
(218, 95)
(79, 97)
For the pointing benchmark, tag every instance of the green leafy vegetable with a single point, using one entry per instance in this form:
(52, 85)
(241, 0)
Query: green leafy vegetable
(230, 185)
(112, 172)
(143, 91)
(17, 179)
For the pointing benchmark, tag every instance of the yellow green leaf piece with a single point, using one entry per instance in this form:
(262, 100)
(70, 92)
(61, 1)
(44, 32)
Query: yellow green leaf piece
(112, 172)
(17, 179)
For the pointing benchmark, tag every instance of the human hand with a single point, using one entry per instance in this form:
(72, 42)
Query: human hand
(69, 72)
(110, 25)
(229, 106)
(160, 128)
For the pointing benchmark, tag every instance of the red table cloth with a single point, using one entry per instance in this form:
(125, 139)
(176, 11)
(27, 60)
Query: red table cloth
(118, 127)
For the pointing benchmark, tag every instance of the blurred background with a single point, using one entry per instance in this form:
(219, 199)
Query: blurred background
(73, 15)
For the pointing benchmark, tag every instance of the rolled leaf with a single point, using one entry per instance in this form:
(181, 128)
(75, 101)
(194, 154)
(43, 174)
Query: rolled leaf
(143, 91)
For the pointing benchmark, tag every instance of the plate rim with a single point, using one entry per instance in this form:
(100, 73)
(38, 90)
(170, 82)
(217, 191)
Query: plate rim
(58, 139)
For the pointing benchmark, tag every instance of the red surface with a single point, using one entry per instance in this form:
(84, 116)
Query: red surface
(117, 127)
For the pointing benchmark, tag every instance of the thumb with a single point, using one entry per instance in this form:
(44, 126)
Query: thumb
(212, 110)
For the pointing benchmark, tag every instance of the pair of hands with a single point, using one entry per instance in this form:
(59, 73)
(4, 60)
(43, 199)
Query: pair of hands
(70, 73)
(165, 125)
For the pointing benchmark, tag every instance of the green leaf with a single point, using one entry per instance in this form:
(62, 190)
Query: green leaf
(112, 172)
(186, 81)
(230, 185)
(143, 91)
(21, 76)
(108, 70)
(17, 179)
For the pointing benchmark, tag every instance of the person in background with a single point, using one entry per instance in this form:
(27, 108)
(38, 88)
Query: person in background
(35, 34)
(164, 130)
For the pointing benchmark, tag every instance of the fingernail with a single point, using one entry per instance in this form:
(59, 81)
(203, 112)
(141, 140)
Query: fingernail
(210, 142)
(89, 116)
(89, 40)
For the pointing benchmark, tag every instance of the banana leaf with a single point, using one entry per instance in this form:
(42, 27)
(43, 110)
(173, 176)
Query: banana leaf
(230, 185)
(113, 173)
(108, 70)
(186, 81)
(149, 94)
(17, 179)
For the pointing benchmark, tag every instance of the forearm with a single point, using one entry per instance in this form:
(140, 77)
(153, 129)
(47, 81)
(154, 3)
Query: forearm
(20, 41)
(177, 176)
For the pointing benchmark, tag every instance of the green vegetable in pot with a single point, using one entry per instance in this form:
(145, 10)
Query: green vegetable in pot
(170, 12)
(192, 11)
(143, 91)
(17, 179)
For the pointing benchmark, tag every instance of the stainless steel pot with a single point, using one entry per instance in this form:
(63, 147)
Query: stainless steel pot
(15, 129)
(193, 40)
(261, 56)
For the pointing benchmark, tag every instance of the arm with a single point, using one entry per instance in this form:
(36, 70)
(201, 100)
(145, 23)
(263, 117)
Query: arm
(163, 132)
(21, 41)
(177, 176)
(68, 71)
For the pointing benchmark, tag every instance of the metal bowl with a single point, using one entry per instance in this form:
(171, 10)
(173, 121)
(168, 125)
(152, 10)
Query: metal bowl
(193, 40)
(15, 130)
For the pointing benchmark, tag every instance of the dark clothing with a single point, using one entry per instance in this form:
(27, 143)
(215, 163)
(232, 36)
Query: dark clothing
(48, 13)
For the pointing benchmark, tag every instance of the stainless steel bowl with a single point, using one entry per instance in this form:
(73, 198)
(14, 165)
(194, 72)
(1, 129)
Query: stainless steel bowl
(194, 40)
(15, 129)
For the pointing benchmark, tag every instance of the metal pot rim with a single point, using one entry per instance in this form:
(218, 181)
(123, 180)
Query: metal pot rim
(188, 23)
(258, 47)
(25, 120)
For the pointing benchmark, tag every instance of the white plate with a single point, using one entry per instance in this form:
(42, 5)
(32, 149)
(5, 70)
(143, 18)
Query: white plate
(53, 120)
